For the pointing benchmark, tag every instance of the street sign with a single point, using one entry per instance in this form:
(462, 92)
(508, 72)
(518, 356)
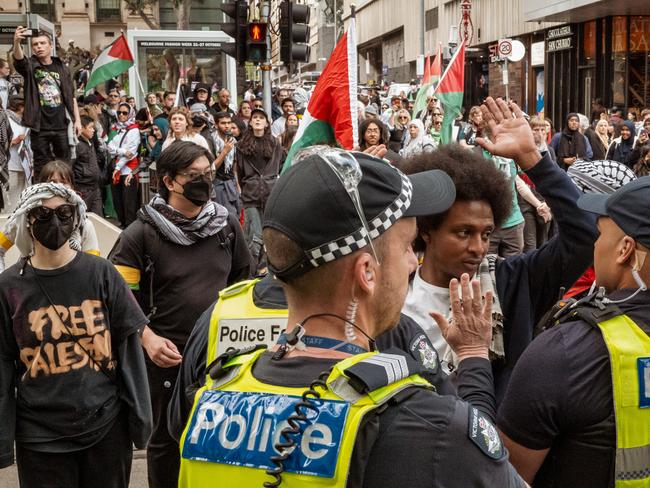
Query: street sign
(504, 48)
(518, 51)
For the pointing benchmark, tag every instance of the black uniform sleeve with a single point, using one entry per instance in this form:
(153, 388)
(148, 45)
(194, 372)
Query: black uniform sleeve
(241, 258)
(537, 395)
(191, 375)
(430, 440)
(475, 385)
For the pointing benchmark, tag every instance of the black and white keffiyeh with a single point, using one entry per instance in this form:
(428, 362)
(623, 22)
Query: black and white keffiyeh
(5, 144)
(177, 228)
(601, 176)
(16, 229)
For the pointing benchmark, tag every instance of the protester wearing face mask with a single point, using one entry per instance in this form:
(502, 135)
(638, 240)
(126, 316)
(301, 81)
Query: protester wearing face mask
(180, 251)
(73, 390)
(55, 172)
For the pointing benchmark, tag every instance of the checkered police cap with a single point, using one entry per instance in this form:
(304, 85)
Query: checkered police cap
(310, 205)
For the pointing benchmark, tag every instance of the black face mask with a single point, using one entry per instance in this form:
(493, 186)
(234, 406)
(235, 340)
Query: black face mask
(54, 232)
(197, 191)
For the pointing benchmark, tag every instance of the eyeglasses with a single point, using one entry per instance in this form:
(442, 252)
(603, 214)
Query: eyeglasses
(63, 212)
(195, 175)
(122, 113)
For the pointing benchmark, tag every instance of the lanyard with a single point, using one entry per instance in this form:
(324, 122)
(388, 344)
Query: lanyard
(326, 343)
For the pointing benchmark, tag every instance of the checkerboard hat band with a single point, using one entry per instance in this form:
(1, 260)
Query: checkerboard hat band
(360, 238)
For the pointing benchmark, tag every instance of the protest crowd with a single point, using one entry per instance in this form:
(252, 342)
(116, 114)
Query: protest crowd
(452, 301)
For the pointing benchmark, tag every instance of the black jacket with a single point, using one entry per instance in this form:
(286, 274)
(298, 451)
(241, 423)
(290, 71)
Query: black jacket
(32, 114)
(87, 174)
(530, 283)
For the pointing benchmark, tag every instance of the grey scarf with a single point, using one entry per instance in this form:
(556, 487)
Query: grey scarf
(487, 277)
(177, 228)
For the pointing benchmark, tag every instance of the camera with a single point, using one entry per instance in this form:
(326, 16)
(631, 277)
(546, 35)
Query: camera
(30, 32)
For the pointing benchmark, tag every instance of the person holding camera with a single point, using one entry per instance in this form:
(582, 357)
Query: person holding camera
(225, 182)
(49, 97)
(201, 121)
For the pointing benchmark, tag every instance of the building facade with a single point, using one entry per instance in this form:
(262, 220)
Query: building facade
(576, 51)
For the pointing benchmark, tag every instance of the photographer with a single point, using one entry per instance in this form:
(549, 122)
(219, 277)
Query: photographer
(201, 122)
(49, 97)
(225, 182)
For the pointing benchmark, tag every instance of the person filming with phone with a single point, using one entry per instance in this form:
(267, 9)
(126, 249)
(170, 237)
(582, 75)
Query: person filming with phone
(225, 183)
(49, 97)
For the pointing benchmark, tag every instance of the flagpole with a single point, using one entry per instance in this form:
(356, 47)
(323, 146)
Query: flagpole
(451, 63)
(137, 75)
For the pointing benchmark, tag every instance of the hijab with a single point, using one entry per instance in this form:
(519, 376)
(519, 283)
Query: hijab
(129, 121)
(572, 142)
(419, 143)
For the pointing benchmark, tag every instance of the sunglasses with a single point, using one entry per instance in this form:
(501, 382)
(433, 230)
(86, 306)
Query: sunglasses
(63, 212)
(122, 113)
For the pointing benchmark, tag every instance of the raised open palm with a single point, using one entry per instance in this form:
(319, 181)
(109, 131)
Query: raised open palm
(512, 136)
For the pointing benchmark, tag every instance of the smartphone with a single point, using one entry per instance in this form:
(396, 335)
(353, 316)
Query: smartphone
(228, 133)
(30, 32)
(643, 132)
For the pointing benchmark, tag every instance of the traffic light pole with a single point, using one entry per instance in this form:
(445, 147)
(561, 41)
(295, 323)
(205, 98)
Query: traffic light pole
(266, 69)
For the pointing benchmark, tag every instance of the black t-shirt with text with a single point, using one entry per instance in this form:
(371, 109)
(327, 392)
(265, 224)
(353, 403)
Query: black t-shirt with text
(50, 98)
(63, 358)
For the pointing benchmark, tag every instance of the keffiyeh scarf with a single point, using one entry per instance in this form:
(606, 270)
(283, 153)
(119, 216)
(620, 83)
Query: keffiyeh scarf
(16, 230)
(5, 144)
(177, 228)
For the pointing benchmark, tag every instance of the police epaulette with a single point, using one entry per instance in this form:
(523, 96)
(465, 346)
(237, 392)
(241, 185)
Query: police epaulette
(381, 370)
(216, 368)
(237, 288)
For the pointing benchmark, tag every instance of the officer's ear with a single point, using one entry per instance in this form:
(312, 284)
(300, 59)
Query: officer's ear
(625, 251)
(364, 273)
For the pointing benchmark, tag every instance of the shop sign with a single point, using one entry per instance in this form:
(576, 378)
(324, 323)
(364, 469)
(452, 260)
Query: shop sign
(559, 44)
(537, 53)
(172, 43)
(493, 49)
(559, 32)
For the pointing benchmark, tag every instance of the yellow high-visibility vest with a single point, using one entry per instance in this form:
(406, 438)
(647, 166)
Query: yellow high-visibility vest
(236, 421)
(629, 354)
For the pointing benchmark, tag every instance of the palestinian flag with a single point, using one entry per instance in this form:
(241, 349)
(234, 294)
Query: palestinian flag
(432, 72)
(112, 61)
(450, 92)
(331, 115)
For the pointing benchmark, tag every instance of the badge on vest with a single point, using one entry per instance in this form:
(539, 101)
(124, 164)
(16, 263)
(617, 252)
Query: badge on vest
(643, 365)
(242, 429)
(484, 434)
(423, 351)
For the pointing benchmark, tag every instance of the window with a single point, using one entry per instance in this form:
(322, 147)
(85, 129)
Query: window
(43, 7)
(431, 19)
(108, 10)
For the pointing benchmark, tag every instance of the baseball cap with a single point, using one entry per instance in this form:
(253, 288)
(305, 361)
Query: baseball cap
(370, 109)
(260, 111)
(198, 108)
(310, 205)
(627, 207)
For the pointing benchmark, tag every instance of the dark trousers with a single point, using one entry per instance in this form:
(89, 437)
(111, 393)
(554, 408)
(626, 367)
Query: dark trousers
(106, 464)
(163, 453)
(126, 201)
(48, 145)
(92, 197)
(535, 229)
(507, 242)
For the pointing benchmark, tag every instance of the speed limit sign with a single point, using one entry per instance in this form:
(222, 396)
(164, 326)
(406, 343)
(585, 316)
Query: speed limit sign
(504, 48)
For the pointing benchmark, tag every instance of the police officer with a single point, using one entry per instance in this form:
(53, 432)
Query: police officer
(255, 312)
(368, 419)
(577, 409)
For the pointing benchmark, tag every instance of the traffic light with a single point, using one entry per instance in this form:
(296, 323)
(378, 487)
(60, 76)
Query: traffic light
(294, 32)
(256, 42)
(238, 12)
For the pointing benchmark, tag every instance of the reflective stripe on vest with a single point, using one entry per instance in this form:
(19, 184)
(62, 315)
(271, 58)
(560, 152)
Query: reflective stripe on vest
(237, 322)
(232, 429)
(629, 354)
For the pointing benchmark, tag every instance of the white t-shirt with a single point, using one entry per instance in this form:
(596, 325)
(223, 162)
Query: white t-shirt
(423, 297)
(277, 127)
